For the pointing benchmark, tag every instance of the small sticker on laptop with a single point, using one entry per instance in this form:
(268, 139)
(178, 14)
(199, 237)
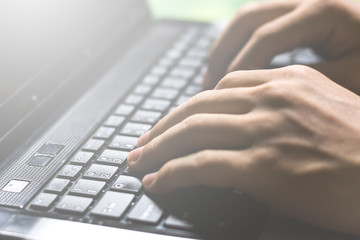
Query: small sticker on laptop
(15, 186)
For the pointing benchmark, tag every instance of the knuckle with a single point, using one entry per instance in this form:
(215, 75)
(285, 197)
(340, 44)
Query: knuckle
(151, 146)
(265, 156)
(247, 8)
(199, 100)
(203, 164)
(270, 123)
(193, 122)
(275, 94)
(264, 32)
(203, 95)
(166, 171)
(202, 157)
(296, 71)
(325, 5)
(300, 75)
(227, 81)
(159, 127)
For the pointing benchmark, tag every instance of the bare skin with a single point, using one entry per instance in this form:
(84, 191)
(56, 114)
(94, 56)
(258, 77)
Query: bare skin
(262, 30)
(289, 136)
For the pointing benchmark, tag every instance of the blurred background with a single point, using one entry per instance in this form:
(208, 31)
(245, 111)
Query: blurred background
(199, 10)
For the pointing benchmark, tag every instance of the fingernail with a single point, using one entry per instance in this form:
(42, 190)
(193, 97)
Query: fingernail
(149, 179)
(144, 139)
(134, 155)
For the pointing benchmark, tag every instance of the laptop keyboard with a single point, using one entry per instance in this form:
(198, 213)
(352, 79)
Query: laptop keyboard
(96, 183)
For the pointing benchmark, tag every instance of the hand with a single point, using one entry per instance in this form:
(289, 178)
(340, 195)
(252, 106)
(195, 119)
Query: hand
(262, 30)
(289, 137)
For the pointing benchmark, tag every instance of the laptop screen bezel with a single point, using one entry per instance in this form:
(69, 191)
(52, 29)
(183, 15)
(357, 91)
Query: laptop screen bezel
(31, 107)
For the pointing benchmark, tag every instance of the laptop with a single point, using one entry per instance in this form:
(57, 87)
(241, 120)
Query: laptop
(80, 81)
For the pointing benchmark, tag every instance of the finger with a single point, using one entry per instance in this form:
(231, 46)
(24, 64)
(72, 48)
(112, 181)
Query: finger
(252, 78)
(200, 132)
(213, 168)
(228, 101)
(195, 133)
(238, 32)
(301, 27)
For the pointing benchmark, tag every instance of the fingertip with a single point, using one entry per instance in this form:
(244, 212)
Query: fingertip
(143, 140)
(134, 156)
(150, 184)
(149, 179)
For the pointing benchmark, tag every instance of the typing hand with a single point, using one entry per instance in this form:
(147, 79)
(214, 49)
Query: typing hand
(262, 30)
(289, 137)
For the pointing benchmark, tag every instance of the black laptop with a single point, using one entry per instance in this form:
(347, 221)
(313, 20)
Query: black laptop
(80, 81)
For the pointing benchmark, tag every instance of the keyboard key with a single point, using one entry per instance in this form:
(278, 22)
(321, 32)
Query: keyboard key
(74, 204)
(198, 80)
(87, 187)
(181, 45)
(114, 121)
(39, 161)
(82, 157)
(156, 104)
(165, 93)
(142, 89)
(113, 204)
(50, 149)
(151, 80)
(127, 171)
(198, 53)
(191, 62)
(171, 109)
(124, 109)
(193, 90)
(104, 132)
(102, 172)
(159, 70)
(174, 53)
(172, 82)
(124, 142)
(183, 72)
(203, 70)
(204, 43)
(43, 201)
(191, 35)
(70, 171)
(113, 157)
(182, 99)
(146, 211)
(146, 116)
(57, 185)
(134, 99)
(127, 184)
(177, 223)
(135, 129)
(93, 145)
(167, 62)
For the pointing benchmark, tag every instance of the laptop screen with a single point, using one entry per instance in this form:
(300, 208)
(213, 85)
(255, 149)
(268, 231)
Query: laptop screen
(37, 34)
(195, 10)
